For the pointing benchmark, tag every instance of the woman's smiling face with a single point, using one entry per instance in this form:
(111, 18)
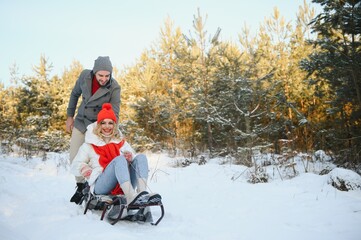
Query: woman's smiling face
(107, 127)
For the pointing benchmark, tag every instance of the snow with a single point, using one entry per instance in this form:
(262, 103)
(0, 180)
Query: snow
(349, 180)
(201, 202)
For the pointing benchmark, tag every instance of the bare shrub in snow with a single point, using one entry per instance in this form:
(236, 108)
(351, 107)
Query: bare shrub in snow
(257, 175)
(344, 179)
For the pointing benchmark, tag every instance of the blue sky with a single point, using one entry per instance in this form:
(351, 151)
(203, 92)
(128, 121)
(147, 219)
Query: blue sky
(82, 30)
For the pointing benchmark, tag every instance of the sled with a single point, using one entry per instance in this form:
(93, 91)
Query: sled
(105, 202)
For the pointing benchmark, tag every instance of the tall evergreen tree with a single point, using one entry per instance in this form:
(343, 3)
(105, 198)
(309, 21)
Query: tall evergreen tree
(337, 65)
(38, 111)
(151, 92)
(202, 48)
(237, 104)
(276, 52)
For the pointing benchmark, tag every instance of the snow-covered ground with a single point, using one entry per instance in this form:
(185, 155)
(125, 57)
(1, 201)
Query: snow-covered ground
(211, 201)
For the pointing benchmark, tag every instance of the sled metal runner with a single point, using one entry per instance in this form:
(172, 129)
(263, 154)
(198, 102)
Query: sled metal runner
(105, 202)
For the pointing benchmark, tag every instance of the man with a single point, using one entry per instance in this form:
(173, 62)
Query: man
(96, 87)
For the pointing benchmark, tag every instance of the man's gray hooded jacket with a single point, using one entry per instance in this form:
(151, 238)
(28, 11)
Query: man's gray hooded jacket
(92, 104)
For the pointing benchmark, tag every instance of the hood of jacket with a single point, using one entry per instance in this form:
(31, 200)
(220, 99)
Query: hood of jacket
(91, 138)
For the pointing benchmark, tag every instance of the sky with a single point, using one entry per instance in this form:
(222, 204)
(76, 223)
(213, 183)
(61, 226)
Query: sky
(67, 30)
(211, 202)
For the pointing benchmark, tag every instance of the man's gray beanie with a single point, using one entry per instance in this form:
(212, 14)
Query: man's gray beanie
(102, 64)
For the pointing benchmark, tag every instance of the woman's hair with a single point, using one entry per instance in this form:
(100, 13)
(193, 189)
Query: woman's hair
(116, 134)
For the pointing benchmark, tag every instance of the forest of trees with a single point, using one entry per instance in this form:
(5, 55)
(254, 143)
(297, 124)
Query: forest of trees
(291, 87)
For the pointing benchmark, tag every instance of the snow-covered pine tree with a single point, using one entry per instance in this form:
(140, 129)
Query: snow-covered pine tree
(336, 71)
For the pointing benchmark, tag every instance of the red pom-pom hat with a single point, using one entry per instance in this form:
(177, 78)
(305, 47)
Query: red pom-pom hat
(106, 113)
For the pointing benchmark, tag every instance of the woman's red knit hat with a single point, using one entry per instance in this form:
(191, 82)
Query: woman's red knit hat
(106, 112)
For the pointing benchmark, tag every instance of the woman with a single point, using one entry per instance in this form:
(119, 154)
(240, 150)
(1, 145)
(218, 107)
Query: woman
(109, 163)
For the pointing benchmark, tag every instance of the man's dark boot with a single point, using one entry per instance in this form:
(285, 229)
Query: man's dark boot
(78, 196)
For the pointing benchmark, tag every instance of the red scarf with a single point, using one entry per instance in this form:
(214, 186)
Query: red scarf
(107, 153)
(95, 85)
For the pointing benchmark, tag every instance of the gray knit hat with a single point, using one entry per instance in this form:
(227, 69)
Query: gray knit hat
(102, 64)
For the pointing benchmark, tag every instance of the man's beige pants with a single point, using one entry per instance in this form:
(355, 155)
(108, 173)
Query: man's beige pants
(76, 140)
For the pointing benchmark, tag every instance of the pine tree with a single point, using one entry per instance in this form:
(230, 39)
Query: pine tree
(40, 121)
(275, 53)
(200, 59)
(336, 70)
(237, 105)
